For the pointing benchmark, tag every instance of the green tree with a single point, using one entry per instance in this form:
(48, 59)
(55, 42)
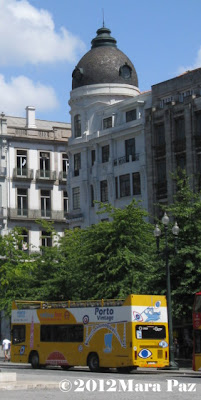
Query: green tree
(113, 259)
(185, 265)
(15, 269)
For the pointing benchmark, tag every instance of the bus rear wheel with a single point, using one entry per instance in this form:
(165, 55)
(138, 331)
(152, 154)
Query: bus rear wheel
(93, 362)
(34, 359)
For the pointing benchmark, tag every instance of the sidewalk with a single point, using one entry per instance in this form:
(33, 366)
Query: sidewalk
(185, 369)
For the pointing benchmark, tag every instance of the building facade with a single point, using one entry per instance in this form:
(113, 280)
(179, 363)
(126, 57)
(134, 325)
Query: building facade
(33, 172)
(173, 133)
(107, 147)
(126, 143)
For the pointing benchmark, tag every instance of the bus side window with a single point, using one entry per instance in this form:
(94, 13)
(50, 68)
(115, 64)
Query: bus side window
(19, 334)
(197, 334)
(198, 304)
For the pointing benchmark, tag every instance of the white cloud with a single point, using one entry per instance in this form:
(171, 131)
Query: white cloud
(28, 35)
(197, 63)
(19, 92)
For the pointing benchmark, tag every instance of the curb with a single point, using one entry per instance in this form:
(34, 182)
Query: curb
(28, 386)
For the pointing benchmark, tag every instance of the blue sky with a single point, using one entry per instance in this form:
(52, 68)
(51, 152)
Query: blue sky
(41, 41)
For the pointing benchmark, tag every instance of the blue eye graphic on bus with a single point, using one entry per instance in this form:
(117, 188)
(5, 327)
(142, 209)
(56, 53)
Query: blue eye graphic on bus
(145, 353)
(137, 316)
(163, 344)
(22, 350)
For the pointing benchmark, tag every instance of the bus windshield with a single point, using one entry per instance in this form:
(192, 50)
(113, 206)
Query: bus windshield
(150, 332)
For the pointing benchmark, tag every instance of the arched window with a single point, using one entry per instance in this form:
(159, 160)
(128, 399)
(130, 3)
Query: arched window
(77, 125)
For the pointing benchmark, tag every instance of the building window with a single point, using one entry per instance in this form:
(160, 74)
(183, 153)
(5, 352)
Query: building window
(24, 245)
(159, 135)
(116, 187)
(104, 191)
(45, 203)
(44, 164)
(105, 153)
(179, 129)
(124, 181)
(136, 184)
(21, 162)
(77, 164)
(46, 239)
(161, 185)
(77, 125)
(130, 149)
(181, 161)
(198, 124)
(161, 171)
(92, 196)
(131, 115)
(76, 198)
(22, 202)
(107, 123)
(65, 165)
(65, 203)
(93, 157)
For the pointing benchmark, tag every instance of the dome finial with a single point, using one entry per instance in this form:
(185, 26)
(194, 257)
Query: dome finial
(103, 38)
(103, 18)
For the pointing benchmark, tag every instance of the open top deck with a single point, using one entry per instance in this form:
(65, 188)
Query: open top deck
(22, 304)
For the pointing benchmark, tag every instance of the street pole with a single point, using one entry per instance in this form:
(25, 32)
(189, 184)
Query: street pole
(172, 364)
(157, 232)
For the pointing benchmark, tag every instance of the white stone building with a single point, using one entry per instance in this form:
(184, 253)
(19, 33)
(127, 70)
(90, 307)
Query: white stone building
(107, 147)
(33, 172)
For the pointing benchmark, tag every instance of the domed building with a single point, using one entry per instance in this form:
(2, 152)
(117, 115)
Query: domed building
(107, 111)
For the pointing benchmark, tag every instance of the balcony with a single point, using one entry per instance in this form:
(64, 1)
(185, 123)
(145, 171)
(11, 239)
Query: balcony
(125, 159)
(45, 175)
(74, 217)
(36, 214)
(62, 177)
(2, 171)
(23, 174)
(2, 212)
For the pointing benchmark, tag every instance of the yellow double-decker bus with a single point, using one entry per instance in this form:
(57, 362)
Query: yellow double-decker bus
(122, 334)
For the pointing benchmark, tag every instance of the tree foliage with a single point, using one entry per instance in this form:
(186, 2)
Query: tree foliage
(109, 259)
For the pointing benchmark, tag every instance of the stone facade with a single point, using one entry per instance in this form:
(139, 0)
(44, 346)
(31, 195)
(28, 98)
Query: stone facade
(33, 172)
(173, 136)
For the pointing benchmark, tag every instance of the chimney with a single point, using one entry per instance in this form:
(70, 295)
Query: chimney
(30, 117)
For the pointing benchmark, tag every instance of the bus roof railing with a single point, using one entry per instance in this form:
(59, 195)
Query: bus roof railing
(23, 304)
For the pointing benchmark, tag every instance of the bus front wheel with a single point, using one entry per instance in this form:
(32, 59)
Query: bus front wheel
(93, 362)
(34, 358)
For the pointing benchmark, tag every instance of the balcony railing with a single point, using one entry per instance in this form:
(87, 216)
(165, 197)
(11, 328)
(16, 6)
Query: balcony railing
(2, 212)
(36, 214)
(125, 159)
(62, 176)
(2, 171)
(42, 174)
(23, 173)
(74, 216)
